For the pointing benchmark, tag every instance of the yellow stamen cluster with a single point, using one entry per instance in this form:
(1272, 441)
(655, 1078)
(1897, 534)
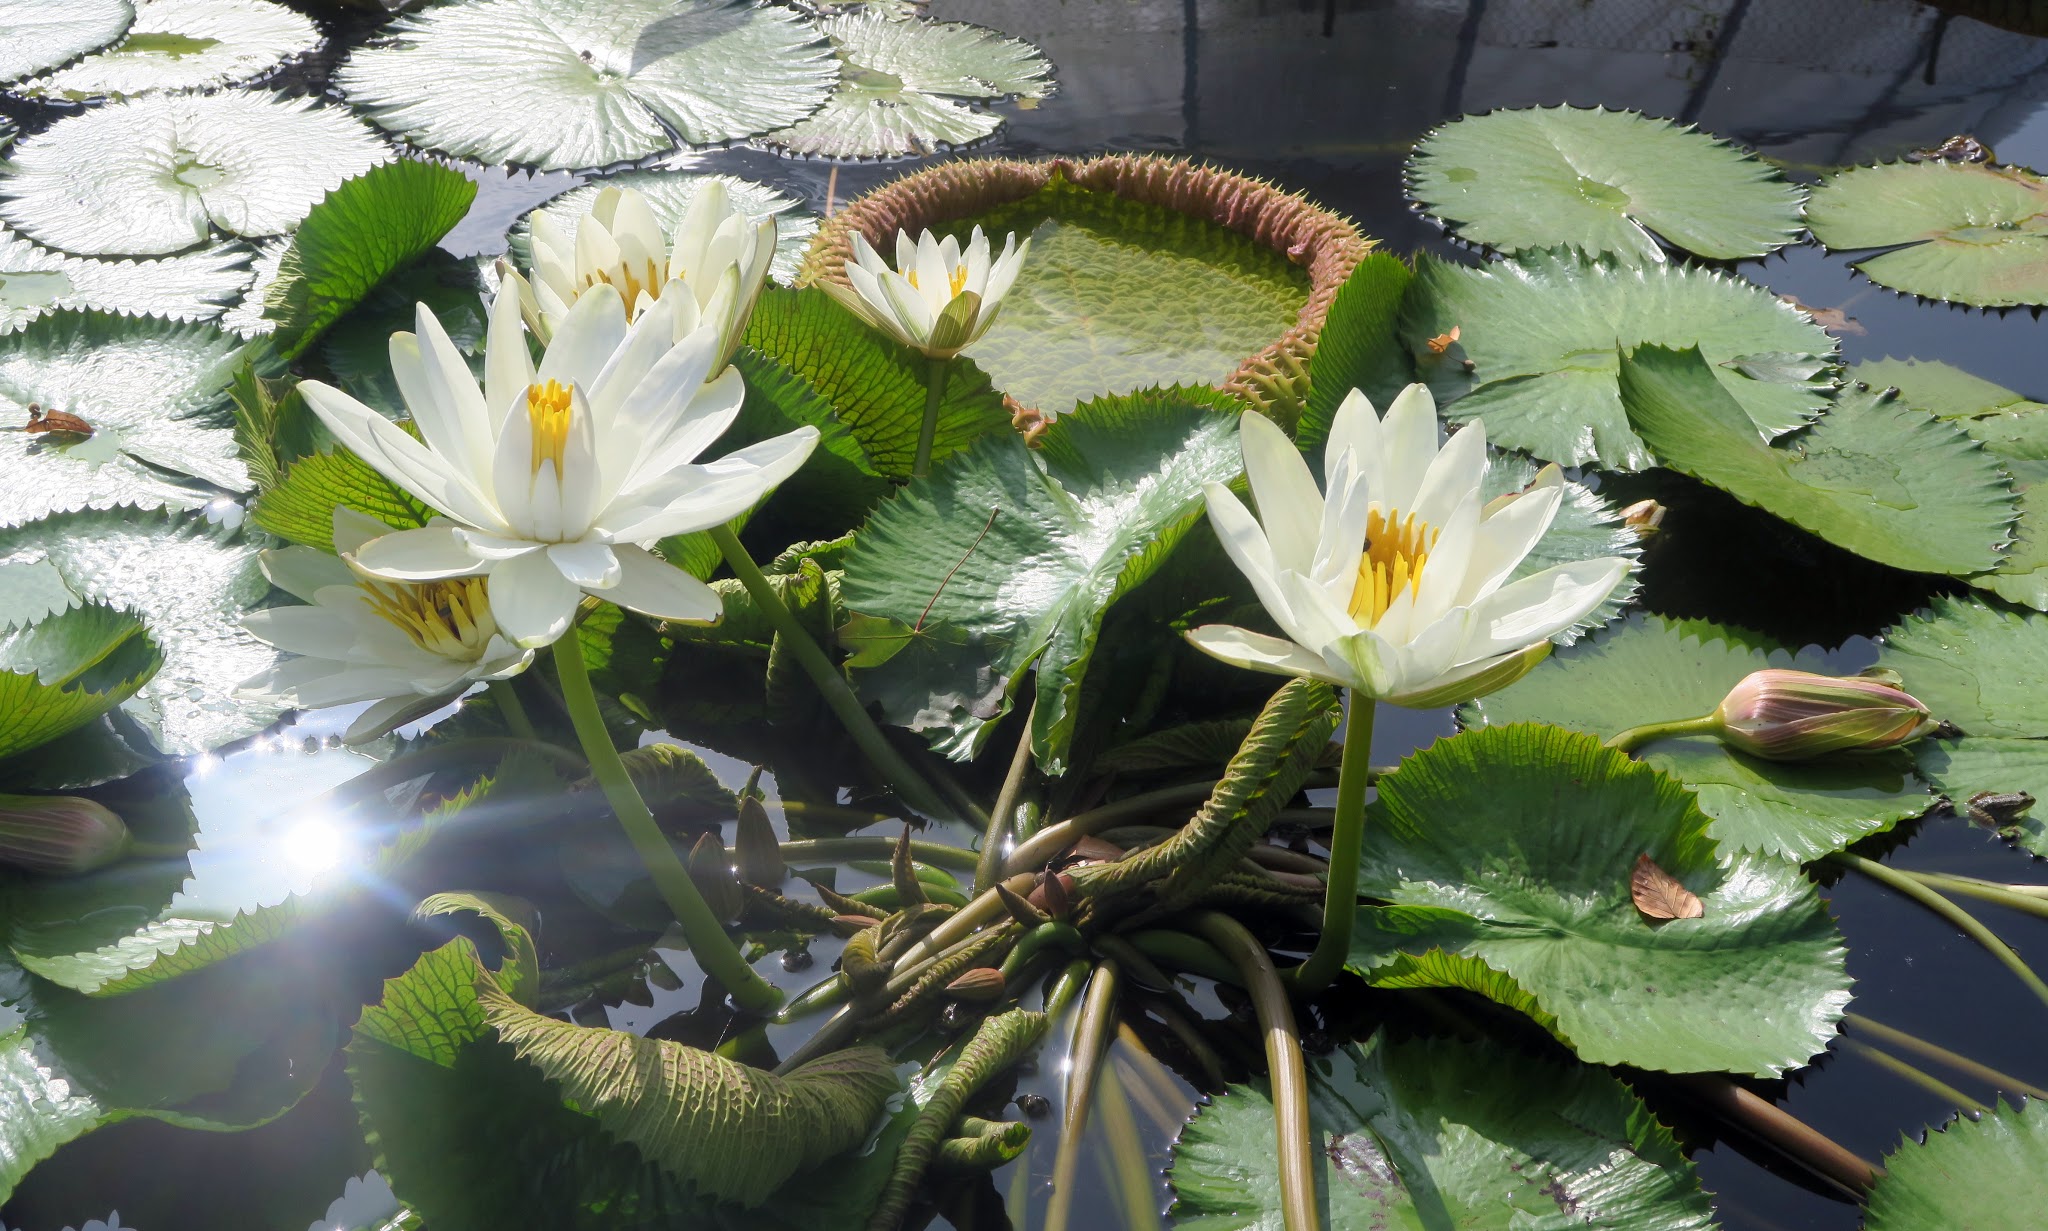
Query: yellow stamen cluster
(549, 408)
(450, 618)
(1395, 552)
(629, 282)
(954, 281)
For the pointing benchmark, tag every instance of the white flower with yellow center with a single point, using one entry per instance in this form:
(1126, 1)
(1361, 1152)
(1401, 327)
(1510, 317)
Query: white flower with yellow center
(409, 647)
(1395, 582)
(713, 271)
(555, 480)
(939, 298)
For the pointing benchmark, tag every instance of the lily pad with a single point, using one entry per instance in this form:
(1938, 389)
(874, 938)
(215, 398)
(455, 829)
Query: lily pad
(1988, 1172)
(42, 35)
(669, 194)
(1119, 295)
(1016, 554)
(1602, 183)
(1981, 666)
(1546, 923)
(184, 45)
(561, 84)
(1357, 348)
(165, 172)
(190, 583)
(1885, 481)
(1650, 669)
(897, 80)
(64, 671)
(1444, 1133)
(1963, 768)
(35, 281)
(1545, 336)
(1970, 233)
(154, 393)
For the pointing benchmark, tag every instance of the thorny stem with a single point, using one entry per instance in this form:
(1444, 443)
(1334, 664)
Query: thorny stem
(1942, 1055)
(1085, 1058)
(1049, 841)
(934, 391)
(1963, 920)
(832, 686)
(989, 868)
(1926, 1081)
(512, 708)
(709, 944)
(1340, 897)
(1636, 737)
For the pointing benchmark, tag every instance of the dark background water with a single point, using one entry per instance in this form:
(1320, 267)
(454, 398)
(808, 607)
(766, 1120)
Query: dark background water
(1327, 99)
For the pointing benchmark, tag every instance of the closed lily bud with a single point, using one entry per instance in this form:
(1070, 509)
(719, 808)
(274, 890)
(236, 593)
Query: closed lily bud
(59, 835)
(1783, 715)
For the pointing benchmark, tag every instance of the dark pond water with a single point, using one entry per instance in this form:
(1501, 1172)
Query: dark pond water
(1327, 98)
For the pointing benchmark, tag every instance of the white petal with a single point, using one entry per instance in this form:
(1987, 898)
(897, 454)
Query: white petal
(353, 529)
(1506, 538)
(586, 338)
(317, 631)
(1241, 647)
(455, 395)
(399, 457)
(1473, 679)
(581, 480)
(1363, 661)
(589, 563)
(1355, 430)
(508, 368)
(1319, 618)
(1453, 476)
(1290, 507)
(426, 554)
(1443, 574)
(302, 571)
(491, 547)
(1408, 436)
(532, 601)
(652, 586)
(1003, 274)
(1436, 648)
(698, 497)
(1539, 607)
(1340, 542)
(684, 435)
(1244, 541)
(909, 307)
(391, 713)
(352, 684)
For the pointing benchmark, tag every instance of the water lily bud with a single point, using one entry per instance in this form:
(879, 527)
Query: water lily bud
(1784, 715)
(59, 835)
(982, 984)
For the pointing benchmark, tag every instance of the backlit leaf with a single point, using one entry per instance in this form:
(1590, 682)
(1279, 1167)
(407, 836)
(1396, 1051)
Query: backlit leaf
(184, 45)
(67, 669)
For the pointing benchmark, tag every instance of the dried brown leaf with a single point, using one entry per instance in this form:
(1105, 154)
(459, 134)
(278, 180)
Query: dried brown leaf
(1658, 894)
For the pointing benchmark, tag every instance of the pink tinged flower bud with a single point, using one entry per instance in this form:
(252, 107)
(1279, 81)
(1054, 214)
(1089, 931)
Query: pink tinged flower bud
(59, 835)
(1784, 715)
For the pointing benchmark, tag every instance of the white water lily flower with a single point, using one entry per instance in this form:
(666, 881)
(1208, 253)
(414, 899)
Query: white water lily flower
(938, 299)
(720, 257)
(1396, 583)
(409, 647)
(555, 481)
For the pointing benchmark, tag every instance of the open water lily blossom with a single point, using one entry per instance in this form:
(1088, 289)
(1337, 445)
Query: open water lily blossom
(712, 272)
(940, 298)
(555, 480)
(409, 647)
(1395, 581)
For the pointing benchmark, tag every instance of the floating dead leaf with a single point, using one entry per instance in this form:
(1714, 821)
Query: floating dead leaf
(1659, 895)
(1834, 320)
(40, 420)
(1643, 517)
(1442, 342)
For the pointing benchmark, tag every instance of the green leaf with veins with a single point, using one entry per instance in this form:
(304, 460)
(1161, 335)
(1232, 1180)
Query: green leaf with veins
(300, 505)
(875, 387)
(1440, 1133)
(1545, 335)
(357, 348)
(184, 45)
(561, 84)
(1546, 919)
(669, 194)
(35, 281)
(897, 80)
(1017, 553)
(1885, 481)
(191, 584)
(1971, 233)
(1649, 669)
(67, 669)
(1987, 1173)
(1118, 296)
(166, 172)
(41, 35)
(1600, 183)
(153, 392)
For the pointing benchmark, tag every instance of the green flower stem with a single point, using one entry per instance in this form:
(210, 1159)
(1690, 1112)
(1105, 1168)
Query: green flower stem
(709, 944)
(989, 868)
(1063, 987)
(512, 708)
(831, 684)
(1926, 1081)
(839, 850)
(1963, 921)
(1183, 1028)
(1636, 737)
(1086, 1055)
(1180, 951)
(1284, 1064)
(1942, 1055)
(1340, 898)
(1051, 840)
(934, 392)
(2009, 896)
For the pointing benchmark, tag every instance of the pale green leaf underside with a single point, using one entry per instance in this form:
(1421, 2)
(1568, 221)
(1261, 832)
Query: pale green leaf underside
(1079, 521)
(1602, 183)
(1989, 1174)
(1545, 337)
(897, 80)
(150, 389)
(585, 83)
(1888, 482)
(35, 281)
(1755, 986)
(191, 588)
(1649, 669)
(1968, 232)
(164, 172)
(64, 671)
(42, 35)
(669, 194)
(185, 45)
(1439, 1133)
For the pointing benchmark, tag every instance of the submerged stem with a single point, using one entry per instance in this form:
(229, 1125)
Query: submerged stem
(1340, 896)
(512, 708)
(1926, 1081)
(1636, 737)
(1085, 1057)
(1942, 1055)
(934, 392)
(709, 944)
(832, 686)
(1963, 920)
